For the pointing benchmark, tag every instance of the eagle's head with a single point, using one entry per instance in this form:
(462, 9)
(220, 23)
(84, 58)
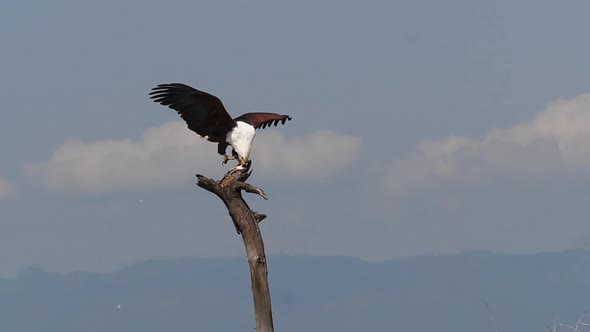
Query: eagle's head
(243, 160)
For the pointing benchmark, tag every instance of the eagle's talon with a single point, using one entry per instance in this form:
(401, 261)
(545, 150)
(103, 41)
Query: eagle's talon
(227, 158)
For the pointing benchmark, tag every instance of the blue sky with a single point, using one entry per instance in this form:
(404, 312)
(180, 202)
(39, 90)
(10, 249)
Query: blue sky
(419, 127)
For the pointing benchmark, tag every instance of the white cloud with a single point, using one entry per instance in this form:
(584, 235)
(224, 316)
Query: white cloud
(7, 190)
(557, 139)
(314, 155)
(172, 154)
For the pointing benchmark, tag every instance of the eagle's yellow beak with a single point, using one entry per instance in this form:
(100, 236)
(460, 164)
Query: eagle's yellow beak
(243, 161)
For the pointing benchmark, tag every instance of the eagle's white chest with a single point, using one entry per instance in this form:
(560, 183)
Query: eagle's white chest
(240, 138)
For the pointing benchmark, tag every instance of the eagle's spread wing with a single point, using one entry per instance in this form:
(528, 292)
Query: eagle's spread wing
(263, 120)
(202, 112)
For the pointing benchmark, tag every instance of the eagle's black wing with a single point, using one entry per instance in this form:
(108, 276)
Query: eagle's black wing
(202, 112)
(262, 120)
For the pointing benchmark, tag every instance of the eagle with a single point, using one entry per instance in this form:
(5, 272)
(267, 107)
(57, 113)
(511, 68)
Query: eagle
(205, 115)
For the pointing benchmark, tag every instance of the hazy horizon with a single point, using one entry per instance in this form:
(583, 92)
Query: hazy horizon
(442, 292)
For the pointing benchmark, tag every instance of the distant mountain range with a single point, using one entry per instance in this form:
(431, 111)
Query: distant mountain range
(443, 293)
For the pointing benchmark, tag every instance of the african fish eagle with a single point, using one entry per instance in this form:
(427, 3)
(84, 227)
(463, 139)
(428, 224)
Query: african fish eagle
(205, 115)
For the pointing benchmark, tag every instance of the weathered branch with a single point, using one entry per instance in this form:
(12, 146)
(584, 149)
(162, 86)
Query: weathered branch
(207, 184)
(246, 222)
(251, 189)
(259, 216)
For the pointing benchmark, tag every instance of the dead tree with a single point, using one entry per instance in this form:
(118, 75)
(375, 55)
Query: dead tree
(229, 189)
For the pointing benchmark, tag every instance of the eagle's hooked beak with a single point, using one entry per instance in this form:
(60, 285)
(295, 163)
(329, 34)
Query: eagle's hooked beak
(243, 161)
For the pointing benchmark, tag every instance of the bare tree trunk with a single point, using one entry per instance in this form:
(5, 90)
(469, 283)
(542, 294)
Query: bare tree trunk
(246, 223)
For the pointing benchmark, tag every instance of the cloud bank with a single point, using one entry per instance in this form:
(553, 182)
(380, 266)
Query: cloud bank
(7, 190)
(315, 155)
(171, 154)
(556, 140)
